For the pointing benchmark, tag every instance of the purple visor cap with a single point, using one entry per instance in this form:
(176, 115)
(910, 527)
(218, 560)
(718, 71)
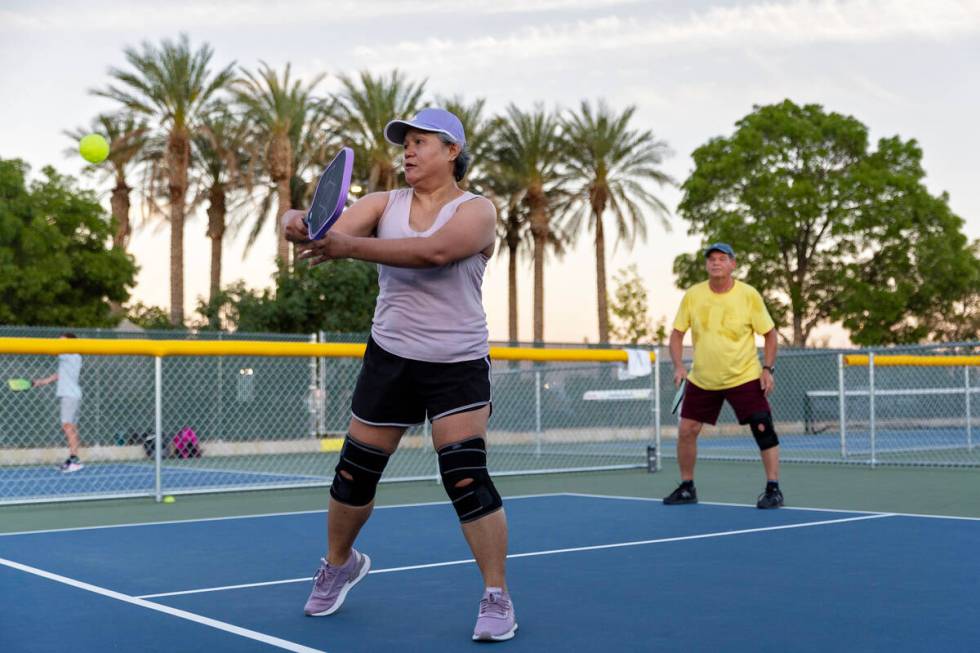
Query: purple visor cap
(427, 120)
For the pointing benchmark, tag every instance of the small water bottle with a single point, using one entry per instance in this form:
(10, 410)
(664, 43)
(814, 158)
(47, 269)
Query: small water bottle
(651, 458)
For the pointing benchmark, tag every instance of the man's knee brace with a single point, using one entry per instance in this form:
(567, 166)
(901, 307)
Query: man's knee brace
(763, 430)
(358, 473)
(467, 461)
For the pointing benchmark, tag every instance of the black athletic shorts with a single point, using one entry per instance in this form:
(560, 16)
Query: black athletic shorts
(396, 391)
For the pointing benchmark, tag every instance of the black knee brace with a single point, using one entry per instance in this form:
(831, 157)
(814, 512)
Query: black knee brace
(763, 430)
(365, 465)
(467, 460)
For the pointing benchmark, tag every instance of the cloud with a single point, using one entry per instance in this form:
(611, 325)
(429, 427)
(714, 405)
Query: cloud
(211, 14)
(760, 25)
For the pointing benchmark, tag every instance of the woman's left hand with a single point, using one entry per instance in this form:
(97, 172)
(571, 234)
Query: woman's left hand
(332, 246)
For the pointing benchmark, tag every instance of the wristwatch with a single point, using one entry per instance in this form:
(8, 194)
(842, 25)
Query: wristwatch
(772, 370)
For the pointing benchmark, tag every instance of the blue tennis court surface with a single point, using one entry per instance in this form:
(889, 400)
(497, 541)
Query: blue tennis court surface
(586, 573)
(131, 478)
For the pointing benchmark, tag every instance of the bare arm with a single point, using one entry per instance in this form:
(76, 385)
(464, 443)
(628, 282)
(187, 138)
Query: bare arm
(769, 360)
(45, 381)
(677, 356)
(361, 219)
(471, 230)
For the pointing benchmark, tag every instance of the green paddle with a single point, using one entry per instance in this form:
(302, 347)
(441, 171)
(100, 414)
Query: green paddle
(17, 385)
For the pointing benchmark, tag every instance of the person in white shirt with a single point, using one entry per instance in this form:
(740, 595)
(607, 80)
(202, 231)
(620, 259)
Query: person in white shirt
(69, 393)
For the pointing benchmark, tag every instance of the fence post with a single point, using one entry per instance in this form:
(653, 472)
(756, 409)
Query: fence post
(969, 417)
(842, 405)
(656, 404)
(322, 386)
(871, 404)
(537, 413)
(158, 426)
(314, 396)
(427, 441)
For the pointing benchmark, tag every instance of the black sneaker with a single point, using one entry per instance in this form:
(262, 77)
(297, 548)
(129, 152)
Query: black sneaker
(683, 494)
(771, 498)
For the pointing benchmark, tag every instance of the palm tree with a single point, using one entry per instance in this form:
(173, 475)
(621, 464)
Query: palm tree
(221, 157)
(366, 106)
(529, 150)
(514, 235)
(278, 109)
(171, 85)
(127, 136)
(480, 132)
(607, 163)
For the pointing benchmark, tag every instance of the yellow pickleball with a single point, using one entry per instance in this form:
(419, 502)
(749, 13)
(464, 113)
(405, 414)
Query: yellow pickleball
(93, 148)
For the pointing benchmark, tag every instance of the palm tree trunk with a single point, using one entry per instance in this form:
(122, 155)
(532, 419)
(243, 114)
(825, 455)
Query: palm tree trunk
(119, 202)
(216, 232)
(600, 271)
(512, 292)
(285, 203)
(539, 247)
(120, 212)
(281, 170)
(539, 230)
(178, 161)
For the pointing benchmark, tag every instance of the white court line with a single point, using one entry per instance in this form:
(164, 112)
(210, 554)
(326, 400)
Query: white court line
(218, 470)
(174, 612)
(752, 505)
(261, 515)
(531, 554)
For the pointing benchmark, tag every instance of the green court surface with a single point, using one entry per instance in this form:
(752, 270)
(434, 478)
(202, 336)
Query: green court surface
(927, 491)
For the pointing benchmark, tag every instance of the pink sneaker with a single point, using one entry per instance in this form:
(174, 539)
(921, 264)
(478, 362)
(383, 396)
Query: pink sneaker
(331, 584)
(496, 621)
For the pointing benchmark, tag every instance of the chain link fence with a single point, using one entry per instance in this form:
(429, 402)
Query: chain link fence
(254, 422)
(827, 410)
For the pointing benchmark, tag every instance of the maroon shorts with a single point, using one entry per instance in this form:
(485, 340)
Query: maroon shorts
(704, 406)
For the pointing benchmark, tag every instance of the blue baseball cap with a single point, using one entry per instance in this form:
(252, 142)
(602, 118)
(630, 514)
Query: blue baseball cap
(724, 248)
(432, 119)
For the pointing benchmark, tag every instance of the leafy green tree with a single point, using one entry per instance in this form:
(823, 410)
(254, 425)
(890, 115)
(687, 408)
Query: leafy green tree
(826, 228)
(150, 317)
(630, 310)
(172, 86)
(336, 296)
(56, 268)
(608, 162)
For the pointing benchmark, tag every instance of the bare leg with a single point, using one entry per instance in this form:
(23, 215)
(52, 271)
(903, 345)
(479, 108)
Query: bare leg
(345, 522)
(486, 536)
(770, 460)
(687, 447)
(71, 433)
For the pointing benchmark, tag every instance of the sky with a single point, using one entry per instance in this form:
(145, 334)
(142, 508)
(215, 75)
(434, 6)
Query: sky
(692, 69)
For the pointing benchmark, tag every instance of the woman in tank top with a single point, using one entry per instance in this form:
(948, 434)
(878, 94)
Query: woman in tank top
(427, 357)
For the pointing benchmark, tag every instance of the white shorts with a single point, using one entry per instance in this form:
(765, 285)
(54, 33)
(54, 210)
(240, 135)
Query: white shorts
(69, 409)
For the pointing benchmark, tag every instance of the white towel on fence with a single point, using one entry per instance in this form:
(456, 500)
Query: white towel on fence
(637, 365)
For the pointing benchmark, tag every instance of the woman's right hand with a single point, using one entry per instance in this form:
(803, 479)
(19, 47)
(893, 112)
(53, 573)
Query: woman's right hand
(293, 227)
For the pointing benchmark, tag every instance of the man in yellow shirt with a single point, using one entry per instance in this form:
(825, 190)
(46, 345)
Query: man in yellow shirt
(724, 315)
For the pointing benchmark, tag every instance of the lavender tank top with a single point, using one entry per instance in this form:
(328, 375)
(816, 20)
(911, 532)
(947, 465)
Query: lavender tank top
(429, 314)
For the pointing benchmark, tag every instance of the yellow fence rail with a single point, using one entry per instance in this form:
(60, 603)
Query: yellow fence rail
(899, 360)
(164, 348)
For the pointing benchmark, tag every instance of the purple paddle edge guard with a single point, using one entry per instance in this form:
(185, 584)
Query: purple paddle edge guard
(341, 197)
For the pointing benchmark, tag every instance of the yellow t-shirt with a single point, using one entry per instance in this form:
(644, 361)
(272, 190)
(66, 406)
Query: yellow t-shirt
(723, 328)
